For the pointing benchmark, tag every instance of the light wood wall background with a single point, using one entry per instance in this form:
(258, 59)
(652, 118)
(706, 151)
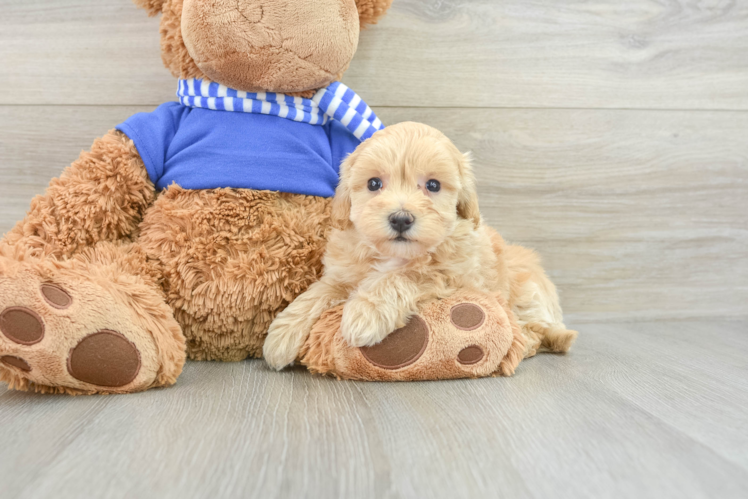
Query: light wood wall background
(611, 136)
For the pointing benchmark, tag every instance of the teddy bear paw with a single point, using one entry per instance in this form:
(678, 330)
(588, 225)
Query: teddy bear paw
(466, 335)
(405, 346)
(65, 334)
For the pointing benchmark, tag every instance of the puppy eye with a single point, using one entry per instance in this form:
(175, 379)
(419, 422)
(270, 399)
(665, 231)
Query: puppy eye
(374, 184)
(433, 185)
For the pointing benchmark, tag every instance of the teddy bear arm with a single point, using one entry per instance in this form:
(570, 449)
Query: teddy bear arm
(102, 196)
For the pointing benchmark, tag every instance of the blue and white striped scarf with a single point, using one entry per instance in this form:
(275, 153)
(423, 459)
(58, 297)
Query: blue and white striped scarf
(336, 101)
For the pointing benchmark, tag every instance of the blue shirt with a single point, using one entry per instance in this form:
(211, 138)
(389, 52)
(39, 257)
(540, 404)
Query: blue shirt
(205, 149)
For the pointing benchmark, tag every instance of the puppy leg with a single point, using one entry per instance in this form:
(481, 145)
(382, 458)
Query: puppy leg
(539, 315)
(378, 307)
(292, 326)
(553, 337)
(535, 302)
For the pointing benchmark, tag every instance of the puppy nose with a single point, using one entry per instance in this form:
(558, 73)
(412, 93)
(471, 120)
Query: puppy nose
(401, 221)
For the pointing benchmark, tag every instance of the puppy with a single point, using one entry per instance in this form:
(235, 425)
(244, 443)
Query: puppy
(409, 231)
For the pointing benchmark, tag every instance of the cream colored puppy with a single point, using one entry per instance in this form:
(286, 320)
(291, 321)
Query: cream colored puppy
(410, 231)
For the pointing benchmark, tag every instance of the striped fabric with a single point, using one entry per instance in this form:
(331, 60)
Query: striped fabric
(336, 102)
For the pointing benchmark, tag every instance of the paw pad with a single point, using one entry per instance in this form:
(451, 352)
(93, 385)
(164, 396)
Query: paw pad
(56, 296)
(15, 362)
(22, 325)
(400, 348)
(470, 355)
(467, 316)
(104, 358)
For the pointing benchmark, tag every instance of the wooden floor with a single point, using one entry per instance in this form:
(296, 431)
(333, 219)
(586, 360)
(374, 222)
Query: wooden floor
(612, 136)
(639, 409)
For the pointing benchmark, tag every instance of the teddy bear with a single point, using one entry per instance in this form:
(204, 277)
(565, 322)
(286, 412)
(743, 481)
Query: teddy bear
(182, 232)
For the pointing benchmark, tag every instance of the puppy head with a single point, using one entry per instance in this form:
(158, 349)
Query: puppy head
(405, 189)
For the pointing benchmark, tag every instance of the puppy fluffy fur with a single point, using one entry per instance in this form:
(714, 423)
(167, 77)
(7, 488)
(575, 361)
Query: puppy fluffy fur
(384, 275)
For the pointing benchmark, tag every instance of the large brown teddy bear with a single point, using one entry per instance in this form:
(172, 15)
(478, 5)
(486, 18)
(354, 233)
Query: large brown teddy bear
(151, 246)
(184, 231)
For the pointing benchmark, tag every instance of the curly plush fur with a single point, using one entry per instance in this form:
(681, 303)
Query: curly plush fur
(231, 259)
(102, 196)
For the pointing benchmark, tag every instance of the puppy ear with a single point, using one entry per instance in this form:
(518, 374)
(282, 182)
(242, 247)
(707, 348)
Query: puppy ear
(153, 7)
(341, 204)
(370, 11)
(467, 200)
(341, 207)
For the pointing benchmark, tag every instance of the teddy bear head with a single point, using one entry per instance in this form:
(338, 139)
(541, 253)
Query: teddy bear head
(288, 46)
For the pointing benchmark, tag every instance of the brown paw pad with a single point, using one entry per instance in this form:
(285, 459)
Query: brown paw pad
(56, 296)
(106, 359)
(21, 325)
(470, 355)
(15, 362)
(400, 348)
(467, 316)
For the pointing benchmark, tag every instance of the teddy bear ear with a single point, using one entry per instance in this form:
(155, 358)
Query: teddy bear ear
(370, 11)
(153, 7)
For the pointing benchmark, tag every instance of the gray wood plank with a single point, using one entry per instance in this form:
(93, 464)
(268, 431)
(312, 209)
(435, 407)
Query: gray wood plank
(637, 214)
(684, 362)
(640, 409)
(468, 53)
(81, 52)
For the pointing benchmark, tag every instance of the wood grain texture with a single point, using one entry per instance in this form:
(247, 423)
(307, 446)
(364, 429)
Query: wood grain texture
(466, 53)
(635, 410)
(637, 214)
(81, 52)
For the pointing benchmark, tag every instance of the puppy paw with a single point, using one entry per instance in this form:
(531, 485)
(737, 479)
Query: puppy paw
(555, 338)
(363, 324)
(283, 343)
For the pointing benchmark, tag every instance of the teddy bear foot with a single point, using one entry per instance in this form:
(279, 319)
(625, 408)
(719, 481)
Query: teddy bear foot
(468, 335)
(63, 332)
